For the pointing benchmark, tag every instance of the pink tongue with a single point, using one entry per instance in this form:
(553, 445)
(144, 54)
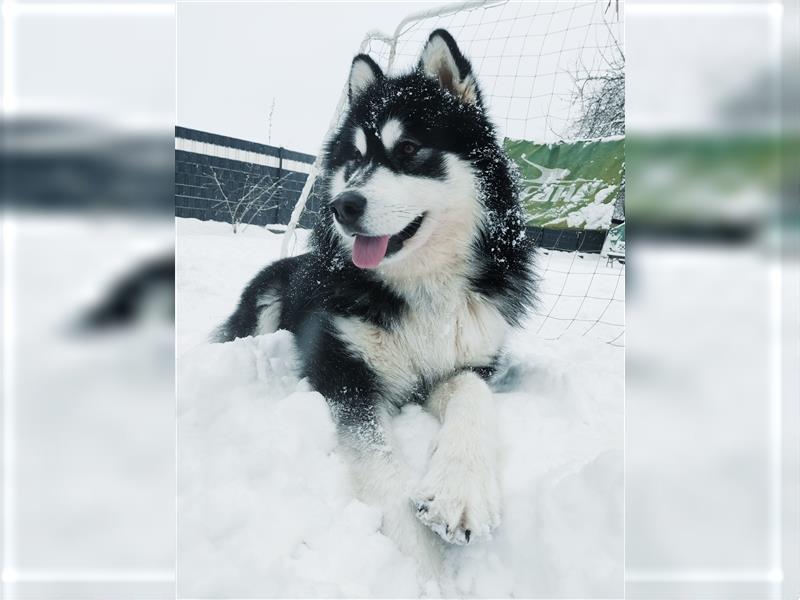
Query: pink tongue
(369, 251)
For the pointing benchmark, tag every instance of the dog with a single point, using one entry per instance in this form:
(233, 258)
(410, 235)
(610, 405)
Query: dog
(418, 269)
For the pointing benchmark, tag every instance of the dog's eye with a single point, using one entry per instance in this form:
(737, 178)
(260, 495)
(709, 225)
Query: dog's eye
(408, 148)
(357, 154)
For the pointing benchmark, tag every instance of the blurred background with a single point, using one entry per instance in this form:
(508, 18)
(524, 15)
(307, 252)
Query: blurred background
(712, 300)
(87, 299)
(711, 330)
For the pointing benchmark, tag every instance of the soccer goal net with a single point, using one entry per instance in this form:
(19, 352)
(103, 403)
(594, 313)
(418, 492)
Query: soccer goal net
(552, 76)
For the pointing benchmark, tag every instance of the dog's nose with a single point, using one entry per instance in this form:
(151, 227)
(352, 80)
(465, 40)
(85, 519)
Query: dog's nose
(348, 207)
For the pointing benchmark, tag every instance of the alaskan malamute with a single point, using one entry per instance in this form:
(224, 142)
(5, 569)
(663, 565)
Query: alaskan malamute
(418, 268)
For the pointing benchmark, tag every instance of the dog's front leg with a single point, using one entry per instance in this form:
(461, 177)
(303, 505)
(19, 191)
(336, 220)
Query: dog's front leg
(459, 496)
(382, 479)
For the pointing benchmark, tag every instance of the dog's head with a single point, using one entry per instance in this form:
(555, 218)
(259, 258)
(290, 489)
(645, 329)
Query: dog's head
(401, 178)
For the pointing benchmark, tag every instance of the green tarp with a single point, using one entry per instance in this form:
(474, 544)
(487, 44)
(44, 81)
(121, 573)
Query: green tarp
(569, 184)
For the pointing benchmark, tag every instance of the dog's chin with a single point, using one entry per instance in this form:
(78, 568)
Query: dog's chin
(361, 245)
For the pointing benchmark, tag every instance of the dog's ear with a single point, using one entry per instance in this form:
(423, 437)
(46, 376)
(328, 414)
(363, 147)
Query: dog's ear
(442, 60)
(363, 72)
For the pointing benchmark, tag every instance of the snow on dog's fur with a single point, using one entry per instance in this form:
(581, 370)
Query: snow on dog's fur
(418, 269)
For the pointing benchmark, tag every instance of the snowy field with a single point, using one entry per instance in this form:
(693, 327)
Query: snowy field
(265, 508)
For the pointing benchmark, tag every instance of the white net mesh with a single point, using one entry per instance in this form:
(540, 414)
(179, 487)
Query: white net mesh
(529, 58)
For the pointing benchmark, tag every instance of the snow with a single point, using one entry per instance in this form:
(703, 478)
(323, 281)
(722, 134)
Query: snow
(265, 507)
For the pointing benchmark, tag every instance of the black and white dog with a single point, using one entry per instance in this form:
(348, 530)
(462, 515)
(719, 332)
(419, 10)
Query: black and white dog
(418, 269)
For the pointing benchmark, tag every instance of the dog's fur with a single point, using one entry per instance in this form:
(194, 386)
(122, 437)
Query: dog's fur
(428, 323)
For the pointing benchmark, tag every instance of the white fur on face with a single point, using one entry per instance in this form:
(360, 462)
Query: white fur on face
(443, 241)
(451, 205)
(360, 141)
(338, 183)
(396, 199)
(391, 133)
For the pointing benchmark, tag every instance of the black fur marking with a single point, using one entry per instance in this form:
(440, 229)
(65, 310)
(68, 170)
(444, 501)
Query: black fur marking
(348, 385)
(485, 373)
(428, 162)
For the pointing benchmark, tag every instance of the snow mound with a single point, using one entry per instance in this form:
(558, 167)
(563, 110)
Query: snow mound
(265, 506)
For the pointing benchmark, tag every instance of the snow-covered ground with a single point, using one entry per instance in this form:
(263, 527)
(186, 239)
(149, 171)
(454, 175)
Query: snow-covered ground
(265, 508)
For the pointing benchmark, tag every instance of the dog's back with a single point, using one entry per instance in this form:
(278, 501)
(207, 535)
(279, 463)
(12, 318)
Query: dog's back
(260, 304)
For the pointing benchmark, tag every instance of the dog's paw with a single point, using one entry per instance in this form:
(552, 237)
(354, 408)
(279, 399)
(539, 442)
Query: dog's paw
(458, 501)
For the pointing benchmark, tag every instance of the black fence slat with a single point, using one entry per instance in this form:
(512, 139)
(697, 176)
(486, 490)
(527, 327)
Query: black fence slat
(568, 240)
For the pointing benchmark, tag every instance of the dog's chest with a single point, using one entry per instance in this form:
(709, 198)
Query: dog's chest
(435, 336)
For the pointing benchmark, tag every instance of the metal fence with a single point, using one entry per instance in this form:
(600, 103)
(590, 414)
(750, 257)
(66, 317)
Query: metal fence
(221, 178)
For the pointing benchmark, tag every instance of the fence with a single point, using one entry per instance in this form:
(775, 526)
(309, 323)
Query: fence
(226, 179)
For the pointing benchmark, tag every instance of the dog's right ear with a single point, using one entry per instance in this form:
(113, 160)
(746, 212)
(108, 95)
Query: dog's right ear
(363, 72)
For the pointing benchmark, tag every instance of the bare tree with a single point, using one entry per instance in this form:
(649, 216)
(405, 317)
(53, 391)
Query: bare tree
(601, 97)
(255, 193)
(600, 94)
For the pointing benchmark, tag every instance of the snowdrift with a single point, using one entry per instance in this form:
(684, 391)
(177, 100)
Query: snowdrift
(265, 508)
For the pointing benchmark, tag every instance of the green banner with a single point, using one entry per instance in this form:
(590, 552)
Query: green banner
(570, 184)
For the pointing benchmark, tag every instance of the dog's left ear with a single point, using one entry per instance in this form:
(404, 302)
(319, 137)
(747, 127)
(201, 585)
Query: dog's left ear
(363, 72)
(442, 60)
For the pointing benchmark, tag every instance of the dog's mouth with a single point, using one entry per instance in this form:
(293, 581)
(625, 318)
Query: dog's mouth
(369, 251)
